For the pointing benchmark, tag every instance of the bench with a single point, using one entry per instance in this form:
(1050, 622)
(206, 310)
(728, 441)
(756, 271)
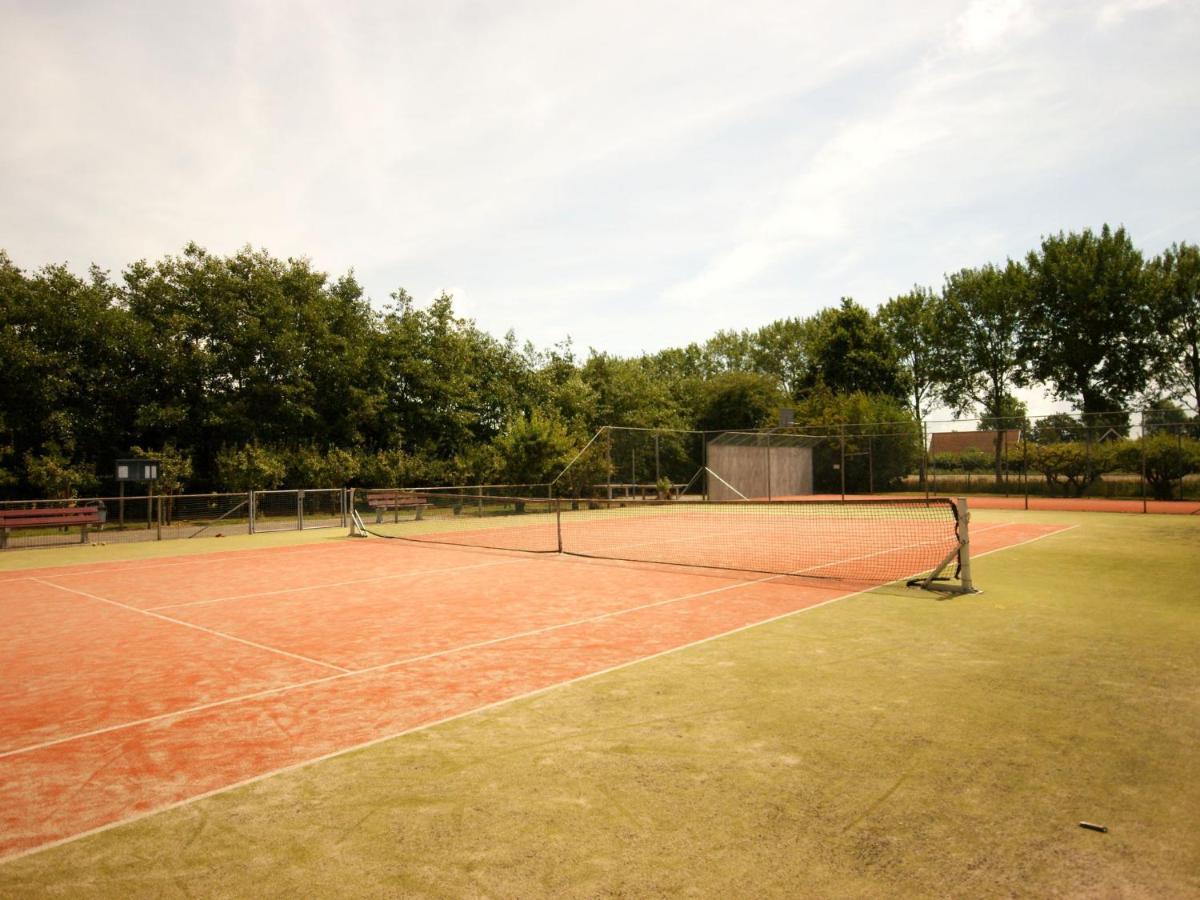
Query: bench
(83, 516)
(395, 501)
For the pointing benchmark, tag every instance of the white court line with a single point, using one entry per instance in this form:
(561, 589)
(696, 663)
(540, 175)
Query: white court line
(427, 656)
(118, 566)
(215, 633)
(427, 725)
(751, 529)
(348, 673)
(336, 584)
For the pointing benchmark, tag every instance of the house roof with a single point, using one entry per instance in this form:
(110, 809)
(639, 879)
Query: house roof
(958, 441)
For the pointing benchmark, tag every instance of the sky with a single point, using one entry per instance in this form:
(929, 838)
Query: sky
(632, 175)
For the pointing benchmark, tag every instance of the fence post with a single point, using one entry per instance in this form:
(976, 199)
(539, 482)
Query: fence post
(925, 458)
(1179, 456)
(842, 466)
(299, 510)
(1142, 442)
(159, 518)
(1025, 465)
(871, 463)
(253, 504)
(770, 491)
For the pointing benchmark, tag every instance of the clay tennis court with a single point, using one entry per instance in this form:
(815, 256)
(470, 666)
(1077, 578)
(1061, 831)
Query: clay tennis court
(134, 686)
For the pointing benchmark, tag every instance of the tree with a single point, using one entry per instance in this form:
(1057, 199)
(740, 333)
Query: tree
(174, 467)
(912, 322)
(978, 333)
(532, 450)
(1014, 414)
(1074, 466)
(781, 349)
(1168, 458)
(1088, 327)
(250, 468)
(736, 400)
(308, 467)
(851, 352)
(1178, 275)
(53, 475)
(882, 440)
(1057, 428)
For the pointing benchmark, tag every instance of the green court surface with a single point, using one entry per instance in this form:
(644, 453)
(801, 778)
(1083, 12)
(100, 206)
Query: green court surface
(893, 743)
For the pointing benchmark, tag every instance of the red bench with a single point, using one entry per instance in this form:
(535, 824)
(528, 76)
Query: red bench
(394, 500)
(83, 516)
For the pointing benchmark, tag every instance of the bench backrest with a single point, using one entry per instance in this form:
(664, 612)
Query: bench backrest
(68, 515)
(400, 498)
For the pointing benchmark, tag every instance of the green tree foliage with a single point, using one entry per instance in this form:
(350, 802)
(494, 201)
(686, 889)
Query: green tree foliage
(1014, 415)
(1088, 327)
(882, 440)
(1056, 429)
(52, 474)
(912, 321)
(252, 467)
(851, 352)
(1072, 466)
(388, 468)
(979, 351)
(738, 400)
(630, 392)
(978, 334)
(534, 449)
(236, 361)
(1168, 459)
(1177, 273)
(174, 467)
(313, 468)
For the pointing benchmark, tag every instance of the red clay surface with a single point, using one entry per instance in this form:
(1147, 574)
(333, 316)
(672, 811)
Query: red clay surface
(1052, 504)
(133, 686)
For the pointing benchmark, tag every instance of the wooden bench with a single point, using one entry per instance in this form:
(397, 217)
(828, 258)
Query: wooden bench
(395, 501)
(83, 516)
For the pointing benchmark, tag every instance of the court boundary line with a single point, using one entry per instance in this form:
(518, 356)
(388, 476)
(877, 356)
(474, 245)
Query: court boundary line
(336, 584)
(371, 670)
(462, 715)
(163, 562)
(379, 667)
(211, 631)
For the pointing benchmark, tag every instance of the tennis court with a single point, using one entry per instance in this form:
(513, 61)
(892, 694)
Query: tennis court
(134, 686)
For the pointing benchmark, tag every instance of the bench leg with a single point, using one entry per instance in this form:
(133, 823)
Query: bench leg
(83, 534)
(379, 516)
(420, 512)
(3, 538)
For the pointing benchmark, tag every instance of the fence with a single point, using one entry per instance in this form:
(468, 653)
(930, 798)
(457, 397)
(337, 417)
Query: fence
(1145, 456)
(174, 517)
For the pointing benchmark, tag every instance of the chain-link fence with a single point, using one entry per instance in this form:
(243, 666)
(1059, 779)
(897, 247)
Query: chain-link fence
(1150, 456)
(111, 520)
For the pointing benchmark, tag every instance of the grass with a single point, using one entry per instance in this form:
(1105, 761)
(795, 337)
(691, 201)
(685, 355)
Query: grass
(891, 744)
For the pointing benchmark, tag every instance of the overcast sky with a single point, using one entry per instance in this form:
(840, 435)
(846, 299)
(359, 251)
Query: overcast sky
(634, 175)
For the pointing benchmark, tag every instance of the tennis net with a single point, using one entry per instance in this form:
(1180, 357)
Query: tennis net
(876, 541)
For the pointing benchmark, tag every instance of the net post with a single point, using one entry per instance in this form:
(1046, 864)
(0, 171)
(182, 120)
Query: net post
(964, 547)
(558, 523)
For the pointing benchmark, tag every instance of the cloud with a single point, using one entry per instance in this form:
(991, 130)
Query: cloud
(1116, 11)
(632, 173)
(986, 23)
